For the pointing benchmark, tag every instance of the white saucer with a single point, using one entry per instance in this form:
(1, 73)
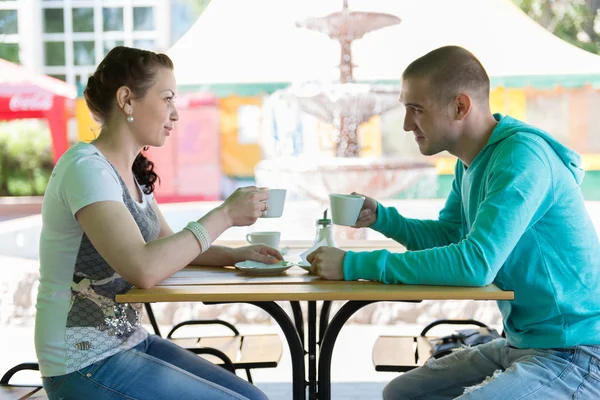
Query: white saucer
(304, 266)
(261, 269)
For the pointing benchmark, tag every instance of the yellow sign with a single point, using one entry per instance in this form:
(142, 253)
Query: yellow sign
(87, 128)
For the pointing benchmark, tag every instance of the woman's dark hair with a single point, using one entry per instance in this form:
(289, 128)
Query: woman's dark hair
(136, 69)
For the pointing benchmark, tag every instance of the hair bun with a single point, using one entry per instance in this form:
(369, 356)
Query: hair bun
(91, 84)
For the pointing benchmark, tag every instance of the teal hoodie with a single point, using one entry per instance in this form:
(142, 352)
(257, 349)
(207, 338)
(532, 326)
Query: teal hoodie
(515, 217)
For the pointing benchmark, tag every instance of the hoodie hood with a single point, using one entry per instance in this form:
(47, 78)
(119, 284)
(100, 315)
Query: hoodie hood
(508, 126)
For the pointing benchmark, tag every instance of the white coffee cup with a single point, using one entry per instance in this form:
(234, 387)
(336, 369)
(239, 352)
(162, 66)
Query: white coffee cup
(345, 208)
(275, 203)
(268, 238)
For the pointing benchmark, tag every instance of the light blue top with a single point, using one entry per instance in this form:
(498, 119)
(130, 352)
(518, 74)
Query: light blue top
(515, 217)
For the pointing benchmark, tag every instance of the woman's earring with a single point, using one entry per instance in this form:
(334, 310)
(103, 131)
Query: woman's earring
(130, 118)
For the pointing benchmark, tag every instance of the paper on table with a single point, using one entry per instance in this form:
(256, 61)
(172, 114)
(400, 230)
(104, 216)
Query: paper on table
(307, 252)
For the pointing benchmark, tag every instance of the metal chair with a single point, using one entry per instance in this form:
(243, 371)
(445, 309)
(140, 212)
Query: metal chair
(8, 391)
(232, 352)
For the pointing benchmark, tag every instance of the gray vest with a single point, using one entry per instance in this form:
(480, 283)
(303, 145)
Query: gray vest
(97, 326)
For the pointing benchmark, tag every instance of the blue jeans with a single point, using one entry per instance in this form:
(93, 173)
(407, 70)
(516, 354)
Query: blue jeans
(496, 370)
(154, 369)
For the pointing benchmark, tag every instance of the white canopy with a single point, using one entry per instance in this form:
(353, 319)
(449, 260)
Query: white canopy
(237, 42)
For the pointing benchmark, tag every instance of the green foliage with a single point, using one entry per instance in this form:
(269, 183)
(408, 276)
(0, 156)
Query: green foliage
(9, 52)
(574, 21)
(25, 158)
(197, 6)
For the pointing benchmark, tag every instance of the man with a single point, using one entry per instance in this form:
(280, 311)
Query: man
(515, 217)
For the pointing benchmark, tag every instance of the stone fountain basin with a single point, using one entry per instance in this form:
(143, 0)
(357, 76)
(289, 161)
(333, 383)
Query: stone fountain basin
(316, 178)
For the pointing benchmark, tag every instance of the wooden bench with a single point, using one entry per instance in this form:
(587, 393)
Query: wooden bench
(232, 352)
(403, 353)
(400, 353)
(236, 352)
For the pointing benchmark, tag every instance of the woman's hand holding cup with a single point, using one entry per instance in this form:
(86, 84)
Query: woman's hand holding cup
(244, 206)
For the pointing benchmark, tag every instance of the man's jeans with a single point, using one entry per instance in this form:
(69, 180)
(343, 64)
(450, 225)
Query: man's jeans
(154, 369)
(496, 370)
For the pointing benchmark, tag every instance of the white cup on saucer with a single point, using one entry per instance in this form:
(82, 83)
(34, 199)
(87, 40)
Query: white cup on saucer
(275, 203)
(345, 208)
(269, 238)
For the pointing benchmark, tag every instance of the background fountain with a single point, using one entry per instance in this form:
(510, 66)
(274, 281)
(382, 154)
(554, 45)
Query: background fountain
(345, 105)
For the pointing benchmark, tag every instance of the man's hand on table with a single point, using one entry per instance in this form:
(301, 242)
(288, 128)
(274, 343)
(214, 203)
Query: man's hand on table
(257, 252)
(327, 262)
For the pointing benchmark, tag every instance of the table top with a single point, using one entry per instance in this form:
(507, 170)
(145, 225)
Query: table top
(229, 284)
(229, 275)
(225, 284)
(347, 244)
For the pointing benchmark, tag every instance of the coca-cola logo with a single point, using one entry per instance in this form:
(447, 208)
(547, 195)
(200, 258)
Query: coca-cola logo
(30, 102)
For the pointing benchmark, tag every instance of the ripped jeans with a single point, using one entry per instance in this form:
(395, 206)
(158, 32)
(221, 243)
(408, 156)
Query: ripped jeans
(496, 370)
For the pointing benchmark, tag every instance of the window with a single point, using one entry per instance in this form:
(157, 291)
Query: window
(83, 20)
(144, 44)
(83, 53)
(8, 22)
(54, 53)
(81, 79)
(9, 52)
(61, 77)
(112, 19)
(110, 44)
(143, 19)
(53, 20)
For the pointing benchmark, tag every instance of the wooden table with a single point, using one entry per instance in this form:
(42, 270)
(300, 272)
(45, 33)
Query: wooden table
(225, 285)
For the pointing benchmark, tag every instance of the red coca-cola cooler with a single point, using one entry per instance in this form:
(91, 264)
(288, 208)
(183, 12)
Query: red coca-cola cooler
(189, 163)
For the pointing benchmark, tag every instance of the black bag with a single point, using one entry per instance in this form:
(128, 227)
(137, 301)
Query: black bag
(443, 346)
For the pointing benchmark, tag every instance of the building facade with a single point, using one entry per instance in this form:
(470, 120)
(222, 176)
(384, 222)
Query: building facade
(67, 39)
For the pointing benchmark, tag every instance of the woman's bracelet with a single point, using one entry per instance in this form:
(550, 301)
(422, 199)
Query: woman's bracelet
(201, 234)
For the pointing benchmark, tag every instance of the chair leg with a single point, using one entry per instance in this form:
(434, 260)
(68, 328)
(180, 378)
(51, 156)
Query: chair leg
(152, 319)
(249, 375)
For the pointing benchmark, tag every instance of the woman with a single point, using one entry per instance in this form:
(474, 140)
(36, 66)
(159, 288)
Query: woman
(103, 232)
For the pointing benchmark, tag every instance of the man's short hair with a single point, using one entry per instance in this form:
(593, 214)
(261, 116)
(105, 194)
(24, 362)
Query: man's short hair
(451, 70)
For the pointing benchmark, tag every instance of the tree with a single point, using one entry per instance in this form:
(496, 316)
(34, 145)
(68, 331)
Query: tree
(575, 21)
(197, 6)
(185, 13)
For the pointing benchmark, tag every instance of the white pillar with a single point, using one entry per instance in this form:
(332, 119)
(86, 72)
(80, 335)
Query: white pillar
(31, 52)
(128, 22)
(69, 52)
(162, 24)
